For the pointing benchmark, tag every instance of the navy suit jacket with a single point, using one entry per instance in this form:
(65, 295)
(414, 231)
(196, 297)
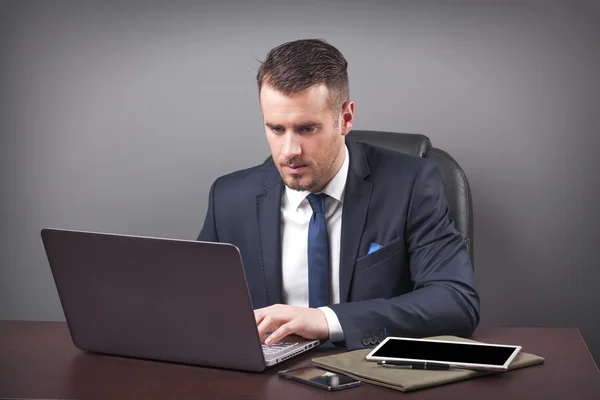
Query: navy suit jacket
(420, 283)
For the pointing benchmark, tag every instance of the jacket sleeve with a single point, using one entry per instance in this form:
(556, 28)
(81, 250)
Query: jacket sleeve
(209, 229)
(444, 300)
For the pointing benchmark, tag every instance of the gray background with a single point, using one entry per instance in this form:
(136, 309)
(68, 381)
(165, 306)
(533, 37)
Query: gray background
(118, 117)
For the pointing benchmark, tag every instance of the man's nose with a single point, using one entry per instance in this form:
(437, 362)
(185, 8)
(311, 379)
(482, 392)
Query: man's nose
(291, 146)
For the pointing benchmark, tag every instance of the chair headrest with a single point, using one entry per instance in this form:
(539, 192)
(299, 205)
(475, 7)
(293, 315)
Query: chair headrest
(409, 143)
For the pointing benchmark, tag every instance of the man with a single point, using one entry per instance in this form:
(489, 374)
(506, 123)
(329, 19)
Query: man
(340, 240)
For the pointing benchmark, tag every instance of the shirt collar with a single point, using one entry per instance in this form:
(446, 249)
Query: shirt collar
(335, 188)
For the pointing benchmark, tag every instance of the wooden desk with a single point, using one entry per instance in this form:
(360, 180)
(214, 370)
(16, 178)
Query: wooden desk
(38, 360)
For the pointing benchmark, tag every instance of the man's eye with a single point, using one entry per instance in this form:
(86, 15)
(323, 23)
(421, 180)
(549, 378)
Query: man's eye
(307, 129)
(277, 129)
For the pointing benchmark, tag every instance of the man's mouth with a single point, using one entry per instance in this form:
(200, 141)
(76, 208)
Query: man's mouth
(294, 169)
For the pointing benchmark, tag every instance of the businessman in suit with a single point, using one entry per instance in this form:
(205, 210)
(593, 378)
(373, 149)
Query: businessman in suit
(340, 240)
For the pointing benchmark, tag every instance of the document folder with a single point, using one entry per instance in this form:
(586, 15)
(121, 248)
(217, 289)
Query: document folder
(353, 364)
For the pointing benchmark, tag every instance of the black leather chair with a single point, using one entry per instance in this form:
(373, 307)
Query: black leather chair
(456, 186)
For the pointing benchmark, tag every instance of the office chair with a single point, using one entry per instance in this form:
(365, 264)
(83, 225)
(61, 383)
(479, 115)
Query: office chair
(456, 186)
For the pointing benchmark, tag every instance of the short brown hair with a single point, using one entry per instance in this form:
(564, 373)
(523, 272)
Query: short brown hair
(295, 66)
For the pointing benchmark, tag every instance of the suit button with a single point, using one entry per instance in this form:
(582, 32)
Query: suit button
(380, 338)
(373, 340)
(366, 341)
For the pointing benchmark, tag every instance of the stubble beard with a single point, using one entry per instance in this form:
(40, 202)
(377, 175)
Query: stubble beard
(294, 182)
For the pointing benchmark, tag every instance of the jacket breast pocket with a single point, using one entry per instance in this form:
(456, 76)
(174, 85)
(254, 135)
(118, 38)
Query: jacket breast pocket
(389, 250)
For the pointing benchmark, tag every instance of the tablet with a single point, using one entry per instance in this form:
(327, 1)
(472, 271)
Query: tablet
(456, 354)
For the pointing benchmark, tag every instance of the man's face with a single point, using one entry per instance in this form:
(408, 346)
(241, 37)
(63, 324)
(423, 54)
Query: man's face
(306, 142)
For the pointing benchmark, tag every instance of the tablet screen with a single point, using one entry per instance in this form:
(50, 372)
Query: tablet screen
(448, 352)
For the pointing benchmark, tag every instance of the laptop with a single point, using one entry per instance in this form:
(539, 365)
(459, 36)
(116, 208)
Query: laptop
(160, 299)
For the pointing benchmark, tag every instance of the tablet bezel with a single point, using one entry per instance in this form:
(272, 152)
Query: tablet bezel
(504, 367)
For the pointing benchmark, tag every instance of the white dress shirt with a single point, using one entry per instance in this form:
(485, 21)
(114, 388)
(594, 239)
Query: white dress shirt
(295, 217)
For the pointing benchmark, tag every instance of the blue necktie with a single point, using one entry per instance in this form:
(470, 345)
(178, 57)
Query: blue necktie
(318, 253)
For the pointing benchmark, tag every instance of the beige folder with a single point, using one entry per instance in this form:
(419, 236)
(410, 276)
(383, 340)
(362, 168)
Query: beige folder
(354, 364)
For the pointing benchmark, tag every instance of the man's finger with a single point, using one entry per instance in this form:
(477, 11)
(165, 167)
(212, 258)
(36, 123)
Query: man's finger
(259, 315)
(265, 325)
(280, 333)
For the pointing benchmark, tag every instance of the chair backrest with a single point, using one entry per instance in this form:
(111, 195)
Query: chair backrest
(456, 185)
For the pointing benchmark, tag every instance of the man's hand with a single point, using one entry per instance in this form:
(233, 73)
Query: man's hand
(283, 320)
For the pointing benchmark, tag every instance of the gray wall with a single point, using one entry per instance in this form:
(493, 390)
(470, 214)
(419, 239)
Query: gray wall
(119, 117)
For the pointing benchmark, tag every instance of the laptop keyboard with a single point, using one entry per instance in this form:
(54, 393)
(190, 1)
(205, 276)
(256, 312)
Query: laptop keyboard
(276, 348)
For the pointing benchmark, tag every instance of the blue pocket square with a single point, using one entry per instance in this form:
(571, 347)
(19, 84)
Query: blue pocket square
(374, 247)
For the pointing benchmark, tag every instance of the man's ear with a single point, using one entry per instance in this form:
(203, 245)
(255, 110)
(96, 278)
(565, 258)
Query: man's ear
(347, 117)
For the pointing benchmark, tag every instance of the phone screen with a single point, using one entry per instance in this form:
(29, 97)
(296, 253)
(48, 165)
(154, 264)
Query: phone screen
(320, 378)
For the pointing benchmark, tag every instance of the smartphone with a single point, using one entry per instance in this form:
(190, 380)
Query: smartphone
(320, 378)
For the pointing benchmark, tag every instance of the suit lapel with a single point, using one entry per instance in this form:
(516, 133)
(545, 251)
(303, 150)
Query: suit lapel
(356, 204)
(268, 208)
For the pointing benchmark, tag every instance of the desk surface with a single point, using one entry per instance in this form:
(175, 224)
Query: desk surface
(38, 360)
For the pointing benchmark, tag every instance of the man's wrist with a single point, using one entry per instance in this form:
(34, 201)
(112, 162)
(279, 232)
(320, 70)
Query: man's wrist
(336, 334)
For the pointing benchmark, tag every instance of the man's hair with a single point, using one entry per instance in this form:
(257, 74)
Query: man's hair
(294, 66)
